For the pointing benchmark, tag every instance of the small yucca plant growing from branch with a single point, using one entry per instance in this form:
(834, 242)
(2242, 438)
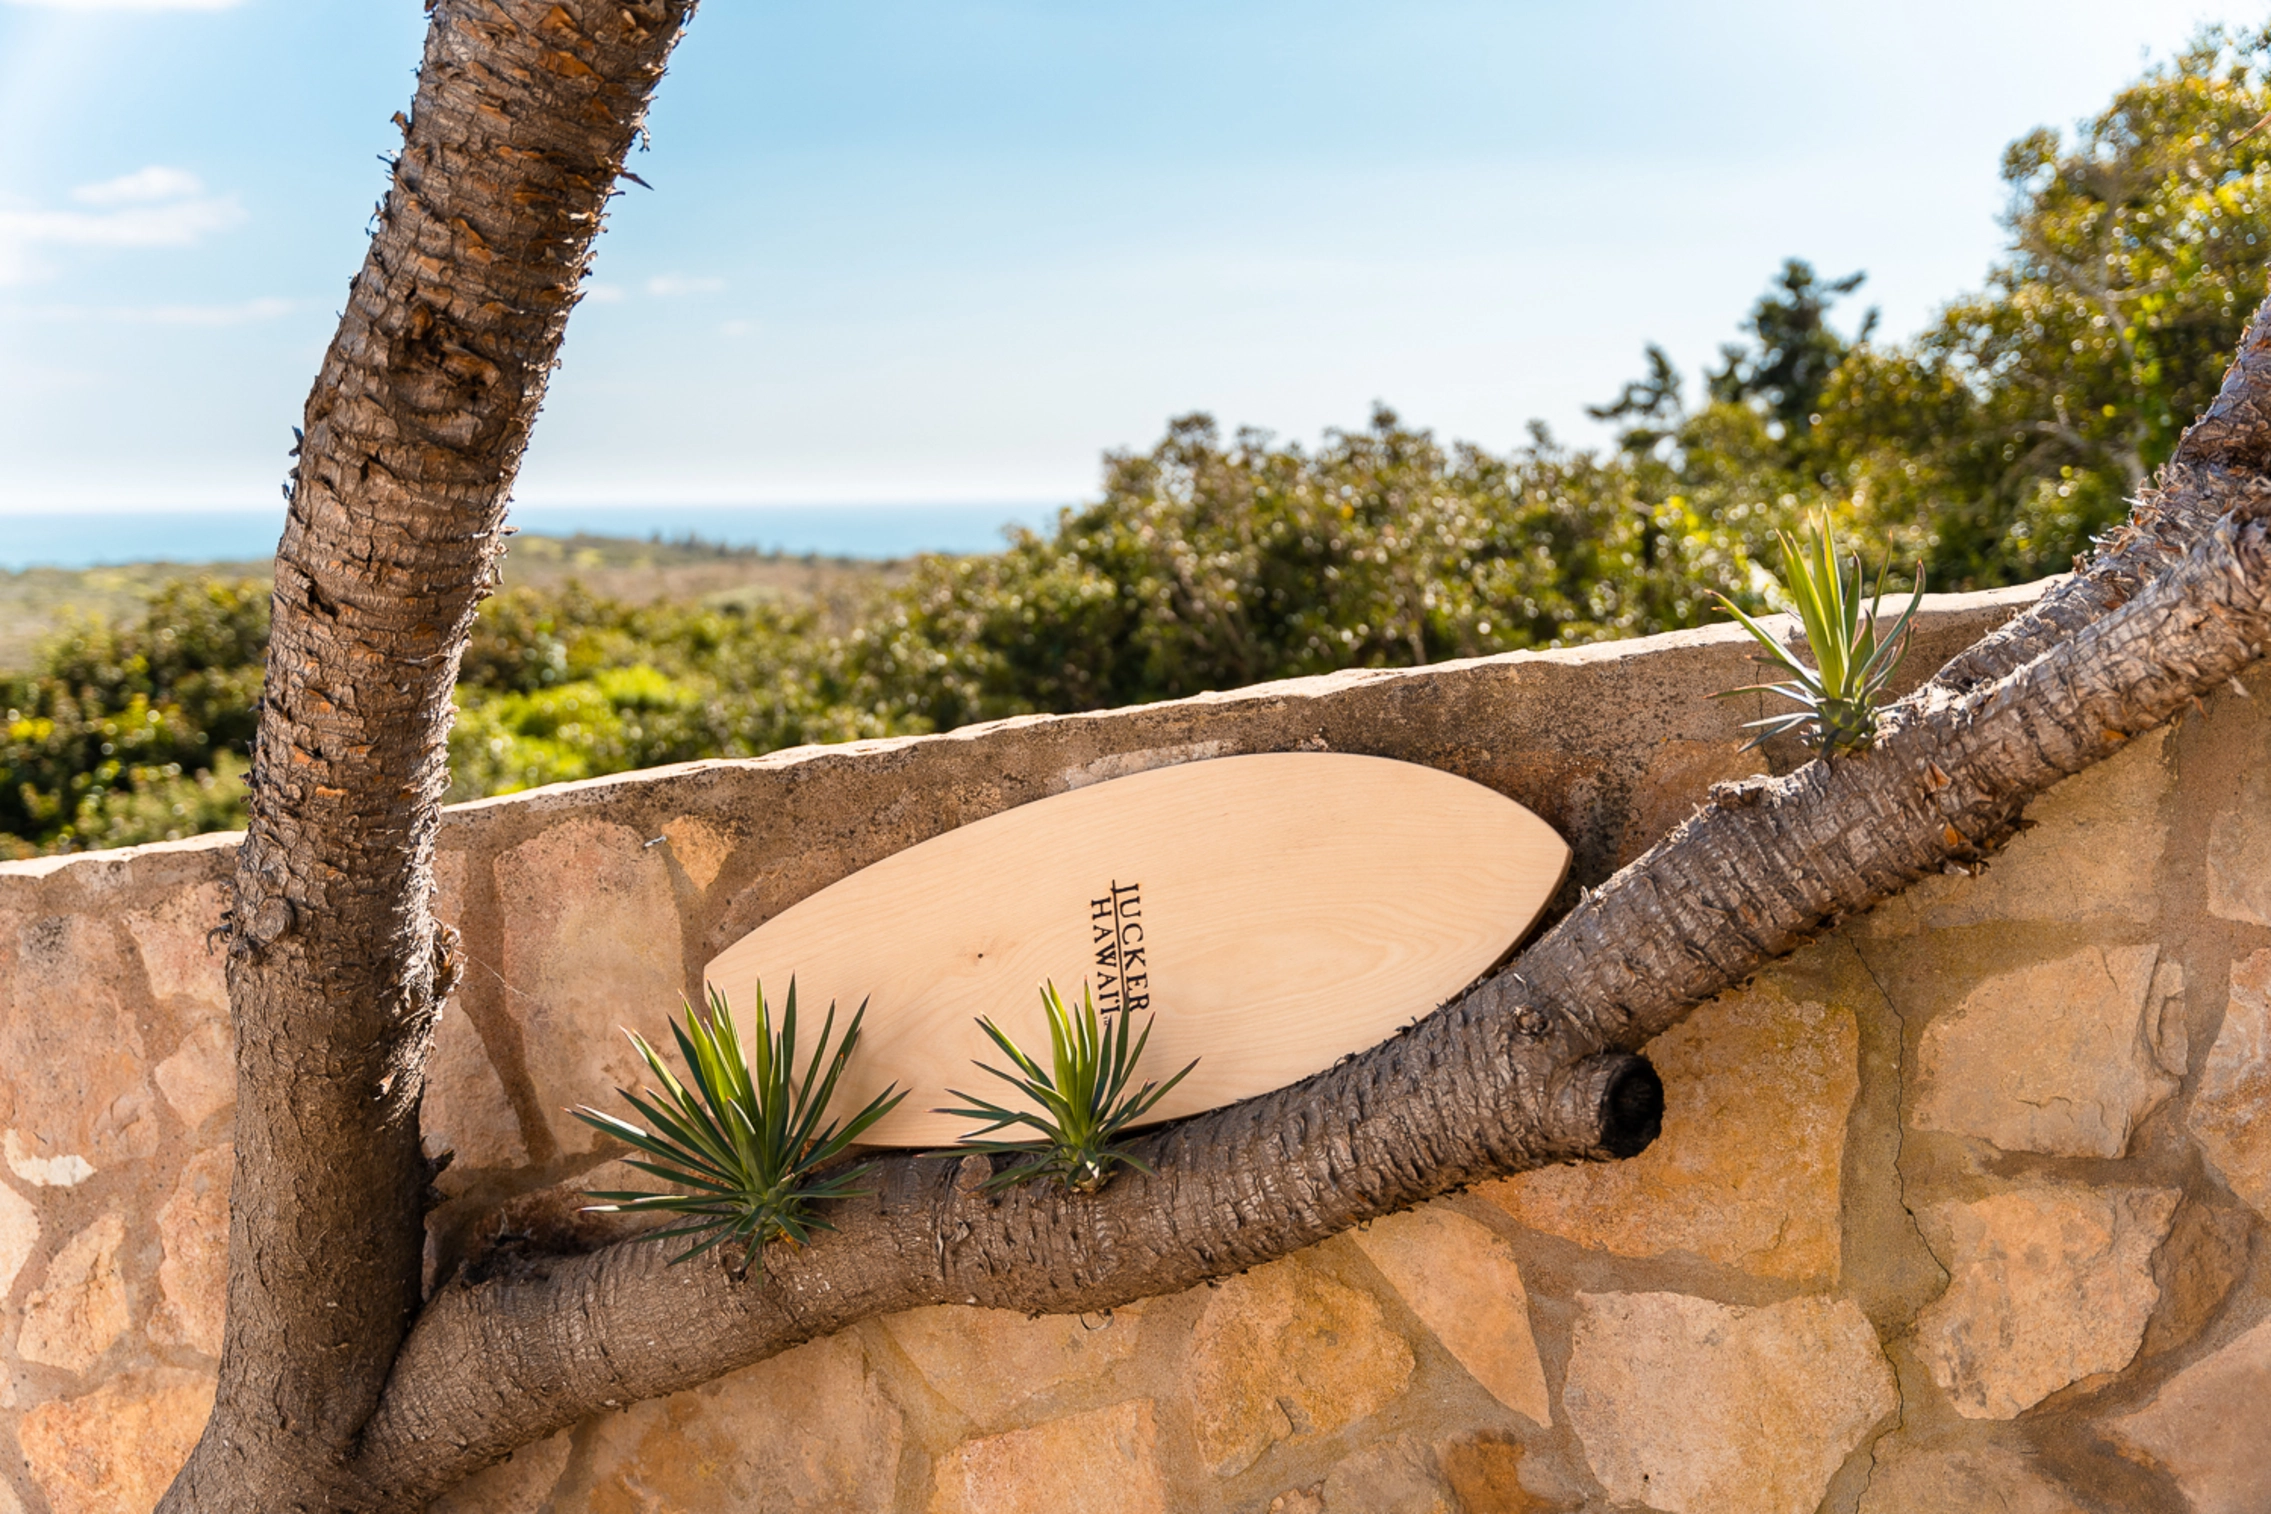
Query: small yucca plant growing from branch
(1838, 697)
(1080, 1109)
(745, 1143)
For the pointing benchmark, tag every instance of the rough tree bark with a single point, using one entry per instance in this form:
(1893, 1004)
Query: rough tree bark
(342, 1389)
(523, 114)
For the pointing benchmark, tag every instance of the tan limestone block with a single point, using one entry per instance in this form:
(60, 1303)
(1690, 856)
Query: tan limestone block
(9, 1502)
(2231, 1114)
(73, 1073)
(1399, 1476)
(2210, 1426)
(1299, 1501)
(466, 1108)
(1935, 1481)
(116, 1450)
(1696, 1407)
(2239, 848)
(811, 1430)
(170, 936)
(2097, 838)
(194, 1277)
(591, 946)
(2048, 1284)
(451, 869)
(2169, 1034)
(1485, 1474)
(989, 1363)
(1757, 1089)
(2203, 1259)
(80, 1306)
(2060, 1057)
(28, 1160)
(701, 849)
(200, 1079)
(520, 1484)
(1103, 1462)
(1679, 778)
(1462, 1282)
(1285, 1353)
(19, 1236)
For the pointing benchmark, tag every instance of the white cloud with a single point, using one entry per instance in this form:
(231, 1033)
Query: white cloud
(151, 207)
(678, 283)
(141, 187)
(128, 5)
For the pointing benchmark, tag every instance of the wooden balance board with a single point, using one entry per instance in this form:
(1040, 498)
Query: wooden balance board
(1274, 912)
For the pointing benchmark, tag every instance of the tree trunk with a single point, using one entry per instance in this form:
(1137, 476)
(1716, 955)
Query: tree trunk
(523, 114)
(339, 1391)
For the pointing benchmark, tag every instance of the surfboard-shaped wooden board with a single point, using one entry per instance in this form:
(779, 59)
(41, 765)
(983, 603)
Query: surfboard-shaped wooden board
(1274, 912)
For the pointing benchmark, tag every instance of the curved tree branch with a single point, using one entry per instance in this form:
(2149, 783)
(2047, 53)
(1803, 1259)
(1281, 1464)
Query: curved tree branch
(414, 430)
(1519, 1072)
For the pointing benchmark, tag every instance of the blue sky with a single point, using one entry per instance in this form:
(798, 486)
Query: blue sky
(930, 250)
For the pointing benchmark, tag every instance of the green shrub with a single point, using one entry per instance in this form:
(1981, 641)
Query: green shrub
(744, 1150)
(1078, 1107)
(137, 731)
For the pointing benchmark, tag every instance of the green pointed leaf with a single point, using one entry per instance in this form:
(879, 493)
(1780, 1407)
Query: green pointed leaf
(742, 1135)
(1837, 697)
(1077, 1108)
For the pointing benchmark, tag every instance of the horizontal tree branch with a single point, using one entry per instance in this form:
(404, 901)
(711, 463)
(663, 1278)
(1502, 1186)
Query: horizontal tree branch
(1521, 1071)
(1754, 874)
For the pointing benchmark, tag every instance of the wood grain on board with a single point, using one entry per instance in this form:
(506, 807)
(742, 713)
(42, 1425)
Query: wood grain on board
(1275, 912)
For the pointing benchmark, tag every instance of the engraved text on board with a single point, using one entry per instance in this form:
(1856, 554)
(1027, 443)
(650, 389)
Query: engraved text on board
(1115, 923)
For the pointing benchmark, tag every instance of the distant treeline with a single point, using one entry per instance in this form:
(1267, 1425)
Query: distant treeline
(1991, 447)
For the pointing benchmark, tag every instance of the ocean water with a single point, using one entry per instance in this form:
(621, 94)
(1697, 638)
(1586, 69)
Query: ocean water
(89, 538)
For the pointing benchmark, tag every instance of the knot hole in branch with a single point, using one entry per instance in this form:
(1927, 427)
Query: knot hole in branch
(1627, 1099)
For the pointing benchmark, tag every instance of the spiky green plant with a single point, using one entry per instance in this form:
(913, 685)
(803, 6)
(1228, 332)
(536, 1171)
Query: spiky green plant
(1838, 697)
(1081, 1109)
(745, 1143)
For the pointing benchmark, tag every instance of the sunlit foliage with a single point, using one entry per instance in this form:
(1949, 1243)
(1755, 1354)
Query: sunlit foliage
(138, 731)
(2011, 430)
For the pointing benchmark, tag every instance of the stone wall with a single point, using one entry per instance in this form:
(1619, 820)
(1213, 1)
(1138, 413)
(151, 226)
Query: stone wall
(1960, 1208)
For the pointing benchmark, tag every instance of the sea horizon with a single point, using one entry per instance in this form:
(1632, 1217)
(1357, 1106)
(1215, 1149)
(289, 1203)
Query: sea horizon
(90, 538)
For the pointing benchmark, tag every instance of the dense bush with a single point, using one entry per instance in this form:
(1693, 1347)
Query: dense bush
(1991, 446)
(2012, 430)
(135, 732)
(1208, 565)
(564, 685)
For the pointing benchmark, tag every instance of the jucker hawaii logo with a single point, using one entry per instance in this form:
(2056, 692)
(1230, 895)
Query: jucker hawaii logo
(1115, 923)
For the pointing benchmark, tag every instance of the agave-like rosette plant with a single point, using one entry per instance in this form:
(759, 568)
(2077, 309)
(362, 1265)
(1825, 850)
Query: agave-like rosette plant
(745, 1145)
(1837, 698)
(1079, 1111)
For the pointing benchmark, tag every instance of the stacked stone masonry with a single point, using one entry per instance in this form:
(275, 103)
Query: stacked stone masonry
(1961, 1208)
